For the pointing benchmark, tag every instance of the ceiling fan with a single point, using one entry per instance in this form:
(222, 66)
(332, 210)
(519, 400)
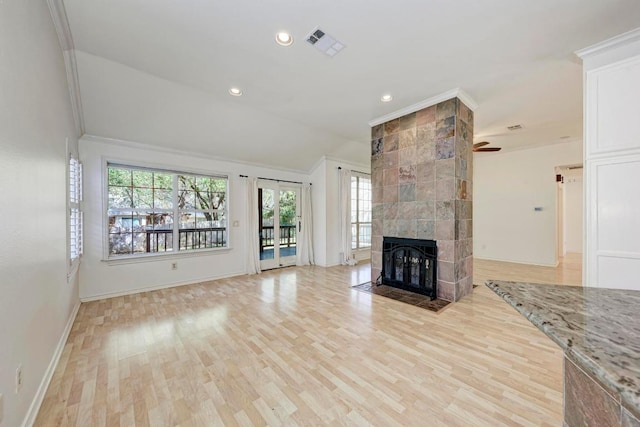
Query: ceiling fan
(480, 147)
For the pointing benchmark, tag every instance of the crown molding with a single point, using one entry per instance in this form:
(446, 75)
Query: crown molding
(61, 24)
(168, 150)
(453, 93)
(614, 42)
(327, 158)
(74, 88)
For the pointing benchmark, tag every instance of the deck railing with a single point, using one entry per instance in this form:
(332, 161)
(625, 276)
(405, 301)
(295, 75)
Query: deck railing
(287, 237)
(200, 238)
(190, 238)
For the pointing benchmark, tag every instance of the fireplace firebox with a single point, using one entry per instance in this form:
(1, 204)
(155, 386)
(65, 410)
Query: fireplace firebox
(410, 264)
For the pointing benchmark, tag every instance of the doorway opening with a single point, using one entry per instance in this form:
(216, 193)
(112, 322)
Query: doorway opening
(570, 211)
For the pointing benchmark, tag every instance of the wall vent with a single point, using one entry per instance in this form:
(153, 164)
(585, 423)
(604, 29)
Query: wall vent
(514, 127)
(324, 42)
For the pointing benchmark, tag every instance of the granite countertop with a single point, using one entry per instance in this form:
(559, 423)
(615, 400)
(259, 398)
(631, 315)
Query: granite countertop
(599, 329)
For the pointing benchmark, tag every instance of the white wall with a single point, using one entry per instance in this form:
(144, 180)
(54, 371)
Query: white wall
(327, 210)
(612, 163)
(104, 279)
(36, 300)
(507, 186)
(318, 178)
(572, 211)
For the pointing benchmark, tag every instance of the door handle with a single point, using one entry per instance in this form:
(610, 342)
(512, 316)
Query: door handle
(299, 226)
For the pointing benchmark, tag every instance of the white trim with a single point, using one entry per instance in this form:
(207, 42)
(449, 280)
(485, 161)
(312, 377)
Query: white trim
(128, 259)
(345, 162)
(63, 30)
(617, 254)
(182, 153)
(74, 88)
(158, 167)
(467, 100)
(593, 146)
(325, 159)
(158, 287)
(454, 93)
(161, 256)
(61, 23)
(617, 41)
(32, 413)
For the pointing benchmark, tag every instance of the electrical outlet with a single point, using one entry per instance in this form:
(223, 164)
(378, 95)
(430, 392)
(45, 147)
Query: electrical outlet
(19, 378)
(1, 408)
(174, 265)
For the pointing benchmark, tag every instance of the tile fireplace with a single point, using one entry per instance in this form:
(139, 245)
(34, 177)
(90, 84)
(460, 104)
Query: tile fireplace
(421, 176)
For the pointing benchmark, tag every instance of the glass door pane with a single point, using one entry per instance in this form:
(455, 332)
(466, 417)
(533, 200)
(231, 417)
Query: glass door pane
(267, 205)
(288, 204)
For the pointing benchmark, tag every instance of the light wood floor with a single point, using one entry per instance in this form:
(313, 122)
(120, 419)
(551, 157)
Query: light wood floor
(568, 271)
(299, 347)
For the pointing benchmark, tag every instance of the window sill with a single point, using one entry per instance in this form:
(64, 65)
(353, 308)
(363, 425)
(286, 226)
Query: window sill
(135, 259)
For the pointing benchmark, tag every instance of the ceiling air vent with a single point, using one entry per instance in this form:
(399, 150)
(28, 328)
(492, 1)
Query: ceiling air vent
(514, 127)
(324, 42)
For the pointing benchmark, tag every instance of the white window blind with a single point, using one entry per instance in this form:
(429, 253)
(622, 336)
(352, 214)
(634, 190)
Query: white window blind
(75, 213)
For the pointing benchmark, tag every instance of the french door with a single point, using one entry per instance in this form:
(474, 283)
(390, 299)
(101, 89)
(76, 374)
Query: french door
(279, 222)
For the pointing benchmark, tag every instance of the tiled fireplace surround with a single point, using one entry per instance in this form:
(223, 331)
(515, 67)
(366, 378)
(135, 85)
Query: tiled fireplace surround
(421, 172)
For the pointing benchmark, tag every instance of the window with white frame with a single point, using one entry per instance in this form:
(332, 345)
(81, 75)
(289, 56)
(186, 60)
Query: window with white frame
(75, 213)
(160, 211)
(360, 212)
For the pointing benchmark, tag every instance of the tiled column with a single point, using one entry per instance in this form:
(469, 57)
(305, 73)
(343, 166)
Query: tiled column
(421, 176)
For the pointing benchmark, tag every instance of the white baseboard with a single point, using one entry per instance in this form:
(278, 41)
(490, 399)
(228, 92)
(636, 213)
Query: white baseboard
(32, 413)
(155, 288)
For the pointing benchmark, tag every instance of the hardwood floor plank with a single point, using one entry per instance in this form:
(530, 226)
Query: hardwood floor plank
(298, 346)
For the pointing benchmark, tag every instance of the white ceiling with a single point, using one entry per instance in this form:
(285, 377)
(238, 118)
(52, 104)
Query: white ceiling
(158, 72)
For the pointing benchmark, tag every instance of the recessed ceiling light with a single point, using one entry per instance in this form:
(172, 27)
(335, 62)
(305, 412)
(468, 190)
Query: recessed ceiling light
(284, 38)
(386, 98)
(235, 91)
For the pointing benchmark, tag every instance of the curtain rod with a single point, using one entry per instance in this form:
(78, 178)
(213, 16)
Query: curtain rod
(276, 180)
(363, 173)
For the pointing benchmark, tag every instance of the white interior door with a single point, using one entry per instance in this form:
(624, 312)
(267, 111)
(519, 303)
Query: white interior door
(279, 222)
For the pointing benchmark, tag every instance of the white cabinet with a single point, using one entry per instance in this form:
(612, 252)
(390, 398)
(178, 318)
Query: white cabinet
(612, 163)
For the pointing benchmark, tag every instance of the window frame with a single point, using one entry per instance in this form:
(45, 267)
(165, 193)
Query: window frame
(357, 223)
(175, 172)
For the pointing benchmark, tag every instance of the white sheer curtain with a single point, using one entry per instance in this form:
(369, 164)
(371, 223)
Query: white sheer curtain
(304, 252)
(253, 246)
(345, 217)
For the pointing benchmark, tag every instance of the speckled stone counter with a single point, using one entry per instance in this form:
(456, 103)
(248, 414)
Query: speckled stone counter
(599, 331)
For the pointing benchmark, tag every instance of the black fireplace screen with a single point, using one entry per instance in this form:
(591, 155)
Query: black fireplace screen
(410, 264)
